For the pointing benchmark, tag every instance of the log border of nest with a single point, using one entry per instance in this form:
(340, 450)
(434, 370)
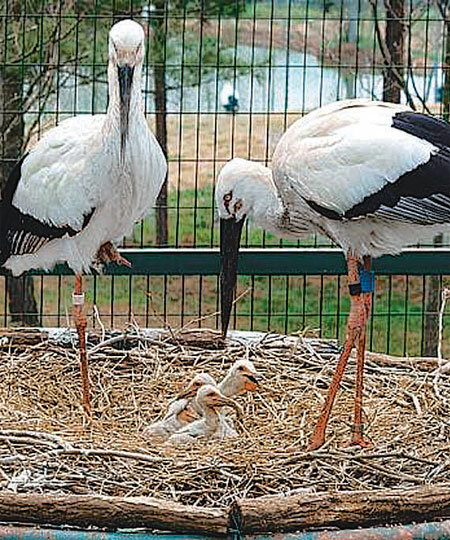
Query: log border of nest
(270, 514)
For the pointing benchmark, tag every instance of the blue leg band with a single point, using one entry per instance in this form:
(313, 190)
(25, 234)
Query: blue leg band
(367, 280)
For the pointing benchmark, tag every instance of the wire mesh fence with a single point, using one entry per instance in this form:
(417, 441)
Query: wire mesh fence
(273, 61)
(312, 305)
(225, 78)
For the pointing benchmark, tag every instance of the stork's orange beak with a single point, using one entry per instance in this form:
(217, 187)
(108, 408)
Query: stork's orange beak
(188, 415)
(251, 382)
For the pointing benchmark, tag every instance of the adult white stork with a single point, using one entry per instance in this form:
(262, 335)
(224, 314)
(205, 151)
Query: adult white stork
(78, 192)
(371, 176)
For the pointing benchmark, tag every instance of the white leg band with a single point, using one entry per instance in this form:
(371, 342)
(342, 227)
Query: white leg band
(77, 299)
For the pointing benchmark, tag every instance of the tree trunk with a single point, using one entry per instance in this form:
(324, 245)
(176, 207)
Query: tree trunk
(353, 13)
(395, 12)
(159, 73)
(432, 302)
(22, 303)
(432, 296)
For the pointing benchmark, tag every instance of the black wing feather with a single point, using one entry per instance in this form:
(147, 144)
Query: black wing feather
(21, 233)
(421, 196)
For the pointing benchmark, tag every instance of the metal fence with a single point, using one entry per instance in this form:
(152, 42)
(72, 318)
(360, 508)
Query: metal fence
(279, 290)
(225, 79)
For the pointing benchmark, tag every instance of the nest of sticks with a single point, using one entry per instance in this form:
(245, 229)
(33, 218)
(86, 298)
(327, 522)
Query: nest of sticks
(47, 446)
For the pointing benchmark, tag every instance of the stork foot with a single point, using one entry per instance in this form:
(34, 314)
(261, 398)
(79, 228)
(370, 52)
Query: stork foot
(357, 438)
(107, 253)
(315, 443)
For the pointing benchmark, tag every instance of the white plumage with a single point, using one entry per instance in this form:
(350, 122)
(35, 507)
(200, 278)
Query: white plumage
(242, 377)
(179, 415)
(108, 165)
(210, 399)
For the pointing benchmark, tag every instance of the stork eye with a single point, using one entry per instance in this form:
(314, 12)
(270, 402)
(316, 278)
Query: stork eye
(227, 197)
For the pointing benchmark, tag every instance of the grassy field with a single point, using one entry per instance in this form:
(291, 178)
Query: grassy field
(316, 305)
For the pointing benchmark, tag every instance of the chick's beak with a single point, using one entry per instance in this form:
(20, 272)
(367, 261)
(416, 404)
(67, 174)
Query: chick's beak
(252, 382)
(125, 74)
(186, 393)
(230, 237)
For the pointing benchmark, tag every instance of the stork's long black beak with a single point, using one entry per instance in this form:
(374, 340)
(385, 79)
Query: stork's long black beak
(230, 238)
(125, 83)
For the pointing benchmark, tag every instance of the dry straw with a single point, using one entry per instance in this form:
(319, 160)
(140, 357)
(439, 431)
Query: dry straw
(47, 446)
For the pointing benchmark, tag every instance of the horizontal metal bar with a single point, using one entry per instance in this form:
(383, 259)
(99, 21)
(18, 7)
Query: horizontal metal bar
(286, 261)
(436, 530)
(18, 532)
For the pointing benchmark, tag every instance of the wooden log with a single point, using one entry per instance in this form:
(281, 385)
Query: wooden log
(111, 512)
(344, 509)
(422, 363)
(21, 336)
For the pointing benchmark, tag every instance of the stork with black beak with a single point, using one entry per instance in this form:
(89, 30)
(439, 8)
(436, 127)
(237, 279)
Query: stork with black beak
(79, 191)
(372, 176)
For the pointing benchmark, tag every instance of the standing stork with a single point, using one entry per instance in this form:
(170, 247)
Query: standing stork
(371, 176)
(79, 191)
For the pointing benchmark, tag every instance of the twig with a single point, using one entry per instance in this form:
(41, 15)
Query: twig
(443, 367)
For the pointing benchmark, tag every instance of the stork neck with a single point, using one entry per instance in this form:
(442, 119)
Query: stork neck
(267, 208)
(229, 386)
(210, 417)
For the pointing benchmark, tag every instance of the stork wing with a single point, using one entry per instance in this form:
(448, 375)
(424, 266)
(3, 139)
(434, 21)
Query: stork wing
(56, 184)
(49, 193)
(370, 159)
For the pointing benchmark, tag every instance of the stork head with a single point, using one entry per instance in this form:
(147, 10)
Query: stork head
(241, 191)
(126, 52)
(243, 377)
(210, 397)
(197, 382)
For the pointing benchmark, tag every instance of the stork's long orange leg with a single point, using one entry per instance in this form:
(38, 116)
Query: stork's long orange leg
(357, 437)
(354, 328)
(81, 324)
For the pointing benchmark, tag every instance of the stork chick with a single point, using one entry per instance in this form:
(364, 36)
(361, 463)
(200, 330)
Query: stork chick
(190, 392)
(210, 400)
(179, 415)
(242, 377)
